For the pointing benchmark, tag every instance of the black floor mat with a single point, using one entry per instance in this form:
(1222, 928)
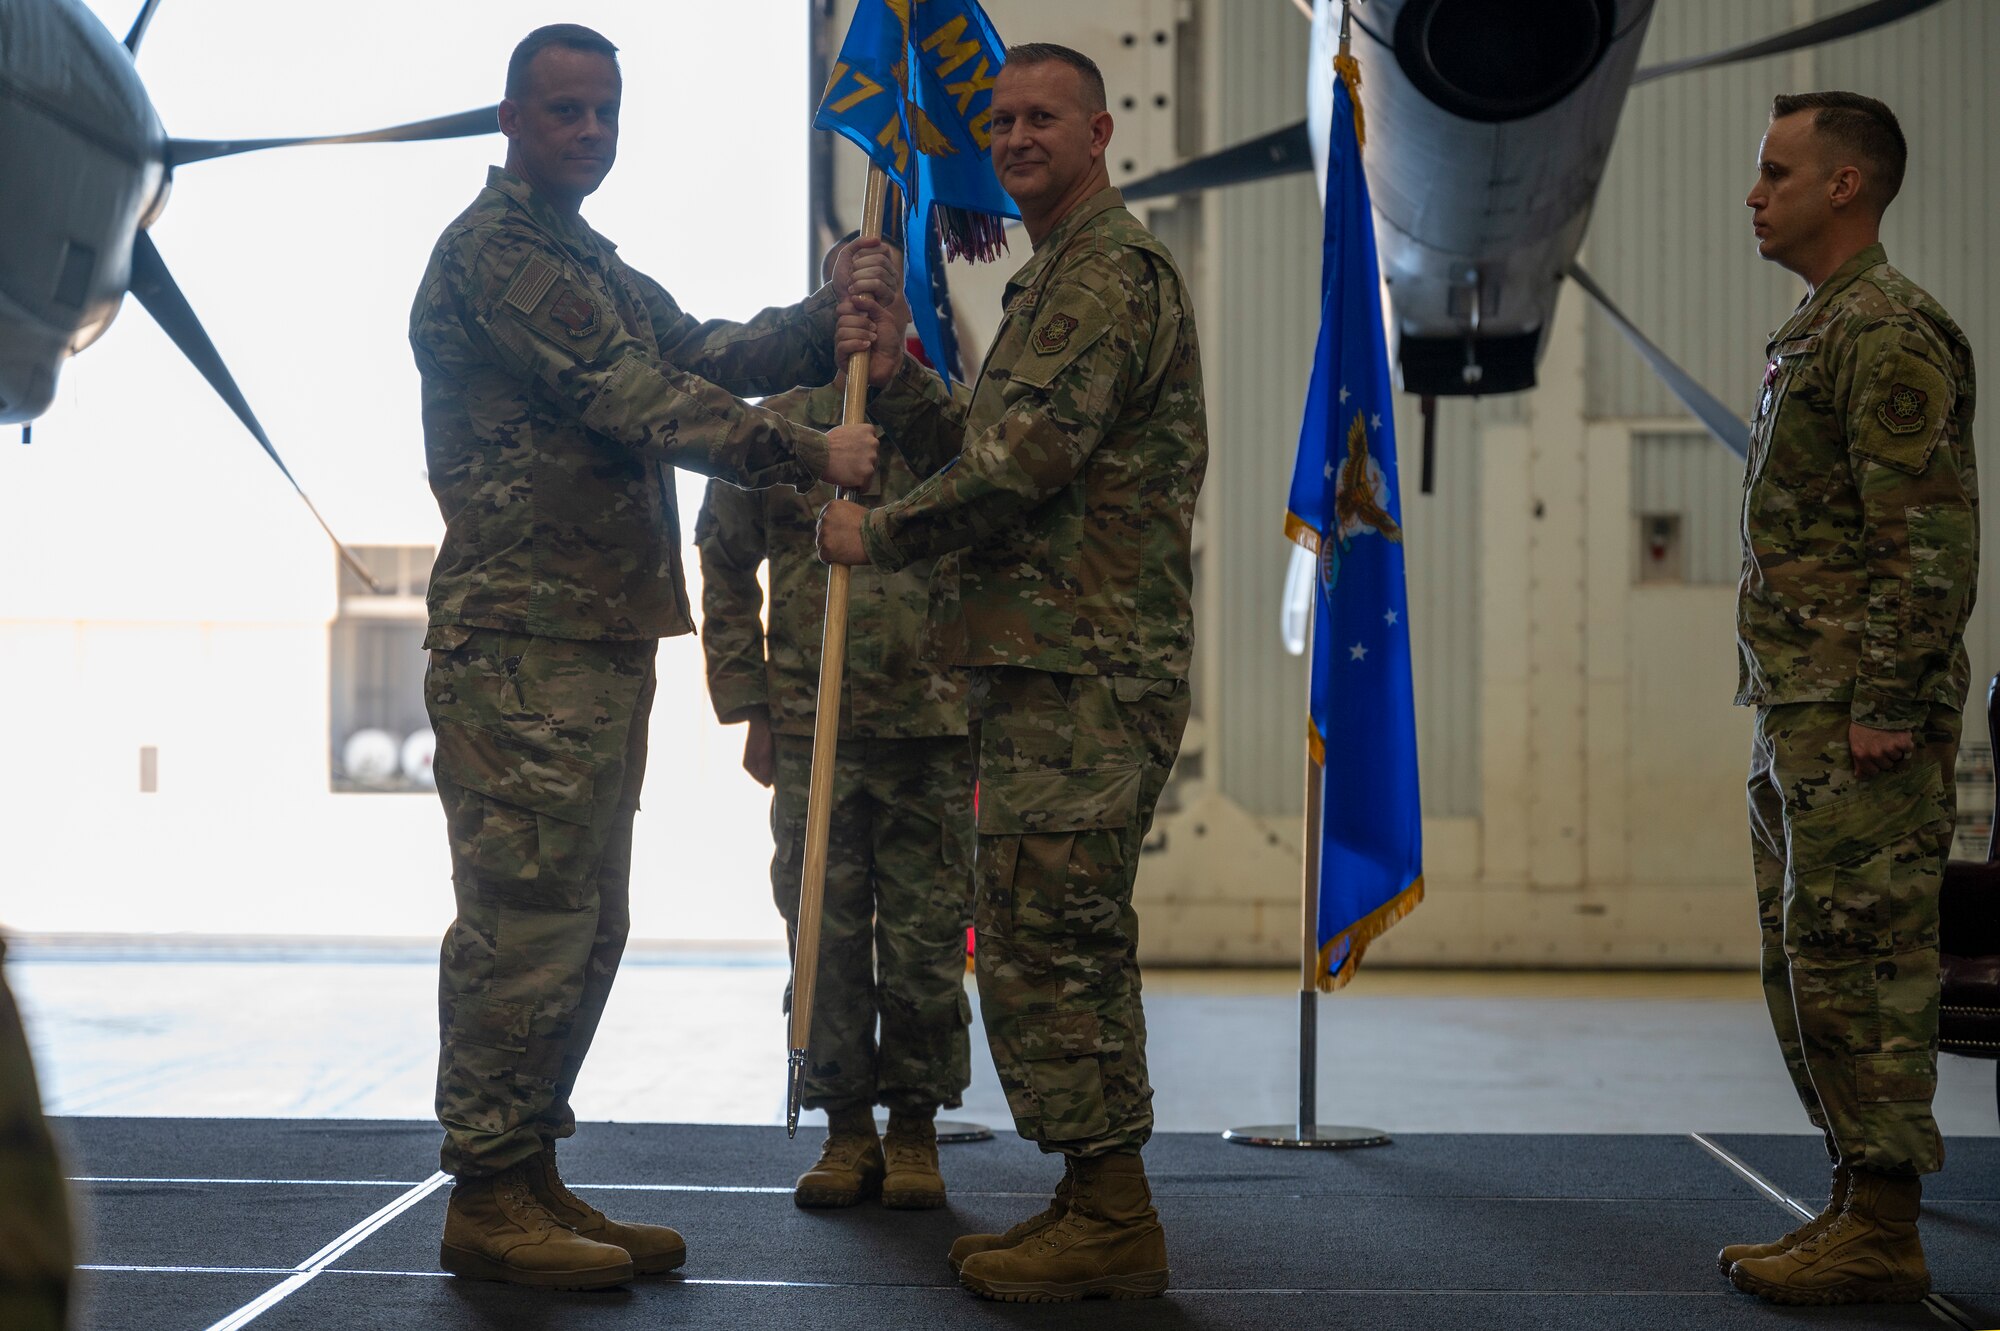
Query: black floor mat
(1538, 1232)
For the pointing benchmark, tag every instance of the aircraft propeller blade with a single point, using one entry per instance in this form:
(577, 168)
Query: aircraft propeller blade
(465, 124)
(1730, 430)
(1847, 23)
(156, 290)
(1282, 152)
(138, 32)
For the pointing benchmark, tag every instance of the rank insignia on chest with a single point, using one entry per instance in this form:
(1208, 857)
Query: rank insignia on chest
(1903, 411)
(1053, 336)
(575, 312)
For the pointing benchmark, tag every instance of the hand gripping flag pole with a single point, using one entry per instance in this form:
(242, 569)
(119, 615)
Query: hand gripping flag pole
(1363, 818)
(913, 91)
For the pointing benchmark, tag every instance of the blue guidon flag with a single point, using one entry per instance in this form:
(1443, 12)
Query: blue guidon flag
(913, 88)
(1344, 507)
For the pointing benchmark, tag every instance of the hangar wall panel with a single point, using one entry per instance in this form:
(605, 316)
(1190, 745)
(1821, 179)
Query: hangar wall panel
(1683, 474)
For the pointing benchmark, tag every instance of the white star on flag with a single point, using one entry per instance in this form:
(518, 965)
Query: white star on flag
(1343, 395)
(1389, 617)
(1357, 652)
(1375, 421)
(1329, 471)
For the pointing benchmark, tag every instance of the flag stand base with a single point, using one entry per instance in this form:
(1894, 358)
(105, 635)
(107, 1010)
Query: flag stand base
(1320, 1137)
(951, 1131)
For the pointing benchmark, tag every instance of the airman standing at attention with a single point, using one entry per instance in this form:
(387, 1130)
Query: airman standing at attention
(1861, 549)
(898, 895)
(560, 389)
(1064, 494)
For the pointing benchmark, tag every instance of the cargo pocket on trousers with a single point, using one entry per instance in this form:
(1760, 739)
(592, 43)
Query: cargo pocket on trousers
(1059, 1053)
(522, 817)
(1847, 891)
(1888, 1078)
(1056, 832)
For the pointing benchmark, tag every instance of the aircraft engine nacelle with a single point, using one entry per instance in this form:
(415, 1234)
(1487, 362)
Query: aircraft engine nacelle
(78, 136)
(1488, 127)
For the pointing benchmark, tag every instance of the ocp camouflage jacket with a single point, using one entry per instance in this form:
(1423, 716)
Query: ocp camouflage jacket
(1861, 504)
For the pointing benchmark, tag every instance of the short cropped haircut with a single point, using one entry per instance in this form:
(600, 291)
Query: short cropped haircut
(1042, 53)
(572, 35)
(1860, 128)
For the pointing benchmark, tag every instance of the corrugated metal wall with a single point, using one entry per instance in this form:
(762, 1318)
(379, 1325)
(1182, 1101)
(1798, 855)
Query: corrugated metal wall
(1671, 240)
(1258, 338)
(1683, 472)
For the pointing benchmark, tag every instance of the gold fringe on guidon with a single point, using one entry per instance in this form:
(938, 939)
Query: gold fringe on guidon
(1349, 70)
(1365, 931)
(1300, 532)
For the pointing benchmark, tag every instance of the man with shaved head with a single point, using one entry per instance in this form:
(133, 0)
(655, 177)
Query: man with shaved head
(1861, 549)
(1060, 503)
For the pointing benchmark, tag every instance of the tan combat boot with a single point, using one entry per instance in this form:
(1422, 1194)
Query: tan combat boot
(911, 1181)
(849, 1167)
(653, 1248)
(495, 1229)
(1057, 1208)
(1870, 1254)
(1743, 1252)
(1109, 1243)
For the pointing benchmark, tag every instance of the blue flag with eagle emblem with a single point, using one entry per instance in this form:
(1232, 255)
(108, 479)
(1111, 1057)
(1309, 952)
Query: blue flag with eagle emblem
(1344, 506)
(913, 88)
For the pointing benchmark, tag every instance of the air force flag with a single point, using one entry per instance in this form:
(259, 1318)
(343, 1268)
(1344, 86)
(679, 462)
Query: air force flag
(1344, 507)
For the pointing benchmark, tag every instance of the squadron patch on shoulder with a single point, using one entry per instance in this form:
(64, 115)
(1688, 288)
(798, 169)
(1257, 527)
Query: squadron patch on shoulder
(1053, 336)
(530, 285)
(574, 311)
(1902, 412)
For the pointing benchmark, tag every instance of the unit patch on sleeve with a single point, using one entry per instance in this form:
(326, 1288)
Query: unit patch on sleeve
(574, 311)
(1053, 336)
(1902, 412)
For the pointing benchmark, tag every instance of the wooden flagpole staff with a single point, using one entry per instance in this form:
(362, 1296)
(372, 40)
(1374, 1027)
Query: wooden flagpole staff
(826, 726)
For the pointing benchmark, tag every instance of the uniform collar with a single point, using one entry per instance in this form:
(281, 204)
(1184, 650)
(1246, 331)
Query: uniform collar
(569, 228)
(1066, 230)
(1843, 277)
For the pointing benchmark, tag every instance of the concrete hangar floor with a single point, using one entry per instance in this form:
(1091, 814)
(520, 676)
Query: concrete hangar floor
(248, 1133)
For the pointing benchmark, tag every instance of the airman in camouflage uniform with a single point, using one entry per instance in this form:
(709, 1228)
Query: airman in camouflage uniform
(1861, 550)
(898, 895)
(35, 1254)
(1063, 495)
(560, 389)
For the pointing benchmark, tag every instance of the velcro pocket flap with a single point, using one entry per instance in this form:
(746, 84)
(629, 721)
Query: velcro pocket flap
(513, 771)
(1884, 810)
(1046, 1035)
(1889, 1078)
(1055, 801)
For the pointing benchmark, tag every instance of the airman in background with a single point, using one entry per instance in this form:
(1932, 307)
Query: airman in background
(1861, 551)
(898, 873)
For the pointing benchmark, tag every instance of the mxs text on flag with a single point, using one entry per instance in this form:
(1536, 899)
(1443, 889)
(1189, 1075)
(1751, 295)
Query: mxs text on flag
(913, 88)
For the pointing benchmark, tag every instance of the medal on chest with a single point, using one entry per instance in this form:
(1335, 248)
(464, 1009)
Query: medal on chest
(1770, 379)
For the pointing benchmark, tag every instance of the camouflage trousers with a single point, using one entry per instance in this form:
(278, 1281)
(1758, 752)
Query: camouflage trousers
(541, 747)
(34, 1209)
(1848, 873)
(892, 929)
(1070, 768)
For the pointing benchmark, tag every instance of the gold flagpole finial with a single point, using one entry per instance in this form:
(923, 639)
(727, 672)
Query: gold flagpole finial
(1349, 70)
